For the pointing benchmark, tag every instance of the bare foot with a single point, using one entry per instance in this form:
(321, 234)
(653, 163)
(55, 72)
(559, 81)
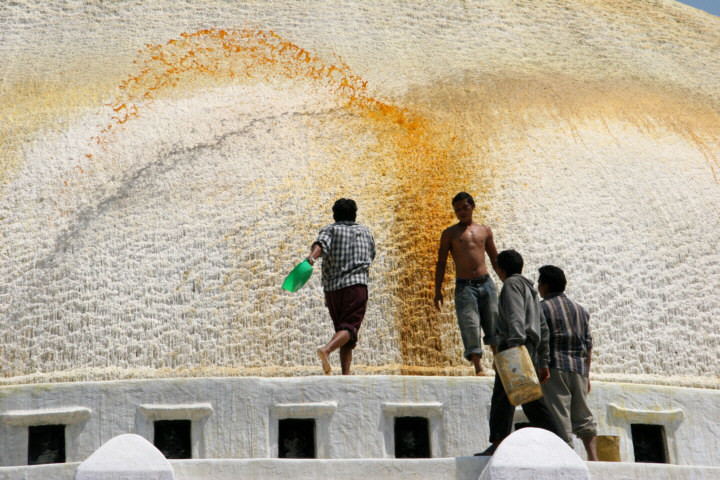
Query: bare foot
(481, 373)
(325, 362)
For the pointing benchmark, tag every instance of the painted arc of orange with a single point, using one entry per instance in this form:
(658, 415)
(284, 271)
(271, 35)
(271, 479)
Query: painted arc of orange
(426, 162)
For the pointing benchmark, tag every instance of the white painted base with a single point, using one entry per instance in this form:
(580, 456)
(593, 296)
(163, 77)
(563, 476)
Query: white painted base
(237, 418)
(460, 468)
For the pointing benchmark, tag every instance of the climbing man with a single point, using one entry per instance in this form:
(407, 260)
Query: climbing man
(347, 249)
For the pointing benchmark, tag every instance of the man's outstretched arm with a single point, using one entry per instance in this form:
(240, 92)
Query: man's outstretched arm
(440, 267)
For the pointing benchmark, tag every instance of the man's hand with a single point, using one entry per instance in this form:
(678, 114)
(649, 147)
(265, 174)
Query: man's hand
(438, 301)
(588, 384)
(543, 374)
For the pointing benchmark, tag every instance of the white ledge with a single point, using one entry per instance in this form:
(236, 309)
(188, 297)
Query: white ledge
(56, 416)
(187, 411)
(302, 410)
(429, 409)
(646, 416)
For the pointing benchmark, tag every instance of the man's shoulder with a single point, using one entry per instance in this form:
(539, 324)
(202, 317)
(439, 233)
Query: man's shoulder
(453, 229)
(564, 298)
(458, 228)
(352, 229)
(513, 283)
(479, 227)
(361, 227)
(326, 229)
(560, 299)
(578, 307)
(330, 228)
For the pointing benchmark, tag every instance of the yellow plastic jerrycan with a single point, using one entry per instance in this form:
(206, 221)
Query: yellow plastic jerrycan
(518, 375)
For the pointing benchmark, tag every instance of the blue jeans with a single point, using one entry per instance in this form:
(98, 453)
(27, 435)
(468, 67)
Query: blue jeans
(476, 306)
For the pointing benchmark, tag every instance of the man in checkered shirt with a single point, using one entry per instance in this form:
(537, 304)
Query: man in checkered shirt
(570, 353)
(347, 249)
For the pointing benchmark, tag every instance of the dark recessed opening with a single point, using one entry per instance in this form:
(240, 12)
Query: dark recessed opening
(412, 437)
(172, 438)
(649, 443)
(46, 444)
(296, 438)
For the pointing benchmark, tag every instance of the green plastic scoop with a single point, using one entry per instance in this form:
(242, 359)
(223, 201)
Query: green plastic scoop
(298, 277)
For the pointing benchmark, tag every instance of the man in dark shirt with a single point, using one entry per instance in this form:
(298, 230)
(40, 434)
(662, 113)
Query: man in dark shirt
(520, 322)
(570, 352)
(347, 249)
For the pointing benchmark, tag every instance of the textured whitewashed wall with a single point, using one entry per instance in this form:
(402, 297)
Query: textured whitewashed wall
(149, 210)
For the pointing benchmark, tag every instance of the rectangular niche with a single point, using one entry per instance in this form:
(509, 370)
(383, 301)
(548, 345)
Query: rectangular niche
(173, 439)
(413, 430)
(46, 435)
(412, 437)
(296, 438)
(651, 431)
(300, 430)
(649, 443)
(46, 444)
(177, 430)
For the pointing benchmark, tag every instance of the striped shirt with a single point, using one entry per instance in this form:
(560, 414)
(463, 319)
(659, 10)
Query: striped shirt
(348, 249)
(570, 337)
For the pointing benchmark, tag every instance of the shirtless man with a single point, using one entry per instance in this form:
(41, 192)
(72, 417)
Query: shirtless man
(476, 300)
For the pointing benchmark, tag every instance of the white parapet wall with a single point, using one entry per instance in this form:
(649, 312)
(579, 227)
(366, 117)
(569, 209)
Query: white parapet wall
(460, 468)
(237, 418)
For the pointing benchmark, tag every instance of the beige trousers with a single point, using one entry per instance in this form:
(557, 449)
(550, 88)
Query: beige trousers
(566, 397)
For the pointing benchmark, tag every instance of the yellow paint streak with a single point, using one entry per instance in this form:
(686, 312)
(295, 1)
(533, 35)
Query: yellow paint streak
(36, 106)
(430, 165)
(424, 160)
(424, 154)
(502, 107)
(472, 116)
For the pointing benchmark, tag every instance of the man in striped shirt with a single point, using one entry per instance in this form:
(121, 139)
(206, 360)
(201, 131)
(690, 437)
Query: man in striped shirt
(347, 249)
(570, 353)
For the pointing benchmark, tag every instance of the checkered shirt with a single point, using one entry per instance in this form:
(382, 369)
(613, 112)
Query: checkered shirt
(570, 338)
(348, 249)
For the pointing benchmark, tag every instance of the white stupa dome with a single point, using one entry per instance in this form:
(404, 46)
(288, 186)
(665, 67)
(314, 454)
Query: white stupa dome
(164, 165)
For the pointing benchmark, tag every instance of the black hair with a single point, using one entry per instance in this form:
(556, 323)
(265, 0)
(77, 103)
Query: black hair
(344, 209)
(463, 196)
(553, 277)
(510, 261)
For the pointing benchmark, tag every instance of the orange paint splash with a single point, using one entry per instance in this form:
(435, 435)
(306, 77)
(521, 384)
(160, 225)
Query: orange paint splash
(426, 158)
(425, 162)
(242, 55)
